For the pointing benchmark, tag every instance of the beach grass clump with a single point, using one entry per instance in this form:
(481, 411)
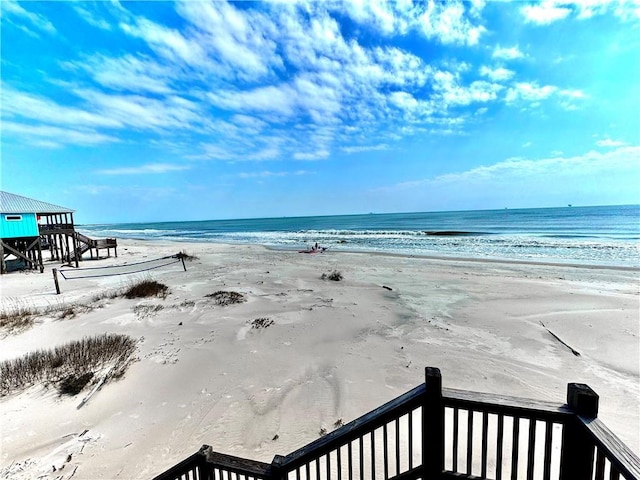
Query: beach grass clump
(17, 317)
(70, 366)
(223, 298)
(74, 384)
(145, 310)
(335, 276)
(262, 322)
(146, 288)
(70, 311)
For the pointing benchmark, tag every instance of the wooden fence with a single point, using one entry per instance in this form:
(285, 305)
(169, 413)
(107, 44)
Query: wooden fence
(432, 432)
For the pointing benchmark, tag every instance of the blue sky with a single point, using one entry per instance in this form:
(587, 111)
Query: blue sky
(153, 111)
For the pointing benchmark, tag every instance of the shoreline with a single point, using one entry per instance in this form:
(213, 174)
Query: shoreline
(514, 261)
(335, 350)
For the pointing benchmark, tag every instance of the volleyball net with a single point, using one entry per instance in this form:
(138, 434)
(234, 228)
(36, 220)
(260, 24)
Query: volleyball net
(111, 270)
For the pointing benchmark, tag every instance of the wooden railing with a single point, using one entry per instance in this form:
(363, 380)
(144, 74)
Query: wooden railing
(435, 433)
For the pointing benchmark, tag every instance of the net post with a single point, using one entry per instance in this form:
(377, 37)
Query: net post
(183, 265)
(55, 280)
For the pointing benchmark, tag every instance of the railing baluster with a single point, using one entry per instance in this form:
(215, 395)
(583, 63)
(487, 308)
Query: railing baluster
(614, 474)
(350, 455)
(456, 413)
(469, 441)
(397, 446)
(485, 428)
(328, 465)
(410, 439)
(599, 466)
(499, 446)
(361, 440)
(339, 463)
(531, 448)
(317, 469)
(385, 452)
(373, 454)
(514, 448)
(547, 450)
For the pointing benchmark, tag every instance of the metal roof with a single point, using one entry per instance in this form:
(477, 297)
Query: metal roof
(11, 203)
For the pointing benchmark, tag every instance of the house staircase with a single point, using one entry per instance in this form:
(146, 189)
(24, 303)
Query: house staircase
(86, 244)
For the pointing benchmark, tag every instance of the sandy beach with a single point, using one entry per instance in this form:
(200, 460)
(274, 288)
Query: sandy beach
(204, 374)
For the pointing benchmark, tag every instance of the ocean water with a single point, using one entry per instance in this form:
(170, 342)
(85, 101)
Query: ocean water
(608, 235)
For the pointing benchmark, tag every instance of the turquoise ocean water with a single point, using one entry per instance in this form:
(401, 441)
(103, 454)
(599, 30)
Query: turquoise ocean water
(608, 235)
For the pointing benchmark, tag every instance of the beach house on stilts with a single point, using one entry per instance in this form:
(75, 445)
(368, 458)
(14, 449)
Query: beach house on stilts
(29, 226)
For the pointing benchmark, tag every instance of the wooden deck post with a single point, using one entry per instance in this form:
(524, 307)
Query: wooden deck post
(3, 266)
(205, 472)
(433, 425)
(276, 468)
(576, 461)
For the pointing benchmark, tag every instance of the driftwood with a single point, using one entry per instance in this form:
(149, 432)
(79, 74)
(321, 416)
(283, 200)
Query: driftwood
(573, 350)
(94, 390)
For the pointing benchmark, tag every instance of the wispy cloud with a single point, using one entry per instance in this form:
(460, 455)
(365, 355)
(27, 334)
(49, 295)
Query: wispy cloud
(497, 74)
(128, 73)
(150, 168)
(529, 91)
(55, 137)
(609, 143)
(11, 9)
(269, 174)
(91, 18)
(507, 53)
(549, 11)
(545, 12)
(365, 148)
(524, 173)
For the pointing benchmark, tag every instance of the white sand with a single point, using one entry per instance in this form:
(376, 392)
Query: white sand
(335, 351)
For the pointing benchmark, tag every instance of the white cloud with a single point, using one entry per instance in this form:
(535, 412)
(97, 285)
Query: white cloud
(25, 105)
(313, 155)
(151, 168)
(268, 174)
(607, 142)
(545, 12)
(365, 148)
(507, 53)
(448, 87)
(549, 11)
(13, 9)
(446, 22)
(54, 137)
(132, 73)
(89, 17)
(497, 74)
(530, 92)
(144, 112)
(242, 40)
(557, 178)
(167, 42)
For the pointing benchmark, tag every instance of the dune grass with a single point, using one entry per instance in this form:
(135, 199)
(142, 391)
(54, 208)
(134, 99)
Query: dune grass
(17, 317)
(70, 366)
(146, 288)
(222, 297)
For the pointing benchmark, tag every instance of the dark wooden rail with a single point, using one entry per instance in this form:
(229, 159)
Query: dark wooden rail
(435, 433)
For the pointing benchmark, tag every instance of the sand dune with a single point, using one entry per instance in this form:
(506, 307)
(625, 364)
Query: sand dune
(334, 351)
